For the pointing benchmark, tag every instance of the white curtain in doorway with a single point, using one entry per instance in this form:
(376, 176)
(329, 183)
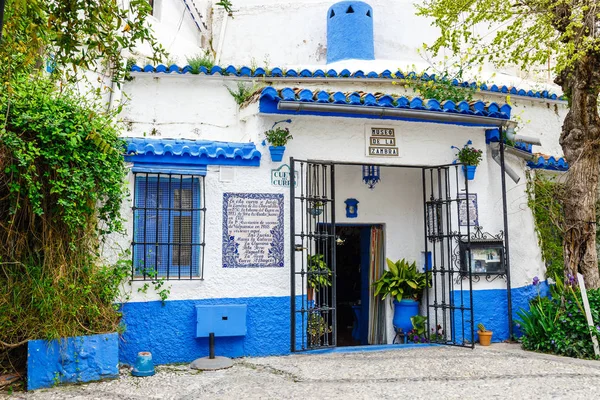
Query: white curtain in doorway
(376, 305)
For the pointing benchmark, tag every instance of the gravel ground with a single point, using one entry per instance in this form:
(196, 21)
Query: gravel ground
(500, 371)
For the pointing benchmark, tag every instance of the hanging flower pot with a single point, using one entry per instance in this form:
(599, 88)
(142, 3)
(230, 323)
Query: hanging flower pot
(278, 138)
(469, 171)
(470, 157)
(276, 153)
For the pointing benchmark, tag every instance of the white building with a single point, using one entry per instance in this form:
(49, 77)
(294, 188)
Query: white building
(212, 213)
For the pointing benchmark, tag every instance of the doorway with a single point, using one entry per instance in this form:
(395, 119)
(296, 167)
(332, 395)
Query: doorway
(352, 282)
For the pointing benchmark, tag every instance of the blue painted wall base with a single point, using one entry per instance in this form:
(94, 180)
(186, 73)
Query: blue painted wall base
(72, 360)
(490, 308)
(169, 331)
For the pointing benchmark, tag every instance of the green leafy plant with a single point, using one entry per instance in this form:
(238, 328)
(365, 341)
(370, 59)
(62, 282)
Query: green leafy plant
(278, 136)
(319, 274)
(440, 89)
(317, 327)
(469, 155)
(227, 6)
(418, 333)
(201, 60)
(558, 325)
(402, 280)
(243, 92)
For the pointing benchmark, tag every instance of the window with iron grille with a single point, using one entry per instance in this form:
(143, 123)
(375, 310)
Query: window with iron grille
(168, 229)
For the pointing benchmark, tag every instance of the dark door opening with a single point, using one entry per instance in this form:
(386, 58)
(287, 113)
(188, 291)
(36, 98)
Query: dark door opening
(352, 282)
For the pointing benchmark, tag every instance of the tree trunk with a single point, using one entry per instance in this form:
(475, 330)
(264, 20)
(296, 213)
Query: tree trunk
(580, 141)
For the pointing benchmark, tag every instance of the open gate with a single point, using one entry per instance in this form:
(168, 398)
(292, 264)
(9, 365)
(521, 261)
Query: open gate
(449, 300)
(313, 270)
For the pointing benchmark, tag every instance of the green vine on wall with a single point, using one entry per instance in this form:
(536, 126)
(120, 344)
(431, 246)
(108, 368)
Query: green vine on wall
(544, 200)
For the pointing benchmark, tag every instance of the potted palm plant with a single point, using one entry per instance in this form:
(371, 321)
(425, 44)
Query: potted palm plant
(277, 138)
(470, 157)
(404, 284)
(319, 274)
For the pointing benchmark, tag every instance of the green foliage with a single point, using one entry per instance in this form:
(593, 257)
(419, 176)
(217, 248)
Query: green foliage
(468, 155)
(418, 333)
(402, 281)
(481, 327)
(278, 136)
(440, 89)
(544, 200)
(317, 327)
(76, 35)
(319, 273)
(524, 33)
(227, 6)
(243, 92)
(62, 190)
(558, 325)
(201, 60)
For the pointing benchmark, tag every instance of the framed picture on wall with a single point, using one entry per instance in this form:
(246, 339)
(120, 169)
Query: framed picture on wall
(484, 258)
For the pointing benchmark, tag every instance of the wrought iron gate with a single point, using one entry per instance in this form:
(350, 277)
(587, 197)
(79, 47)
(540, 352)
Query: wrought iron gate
(449, 300)
(313, 271)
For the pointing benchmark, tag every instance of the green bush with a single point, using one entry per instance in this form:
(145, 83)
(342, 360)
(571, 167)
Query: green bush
(558, 325)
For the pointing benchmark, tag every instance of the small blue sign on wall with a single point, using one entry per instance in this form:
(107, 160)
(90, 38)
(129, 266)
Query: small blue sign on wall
(351, 208)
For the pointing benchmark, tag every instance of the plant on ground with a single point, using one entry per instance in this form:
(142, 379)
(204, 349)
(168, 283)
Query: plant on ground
(317, 327)
(539, 33)
(63, 184)
(278, 136)
(468, 155)
(558, 325)
(402, 281)
(198, 61)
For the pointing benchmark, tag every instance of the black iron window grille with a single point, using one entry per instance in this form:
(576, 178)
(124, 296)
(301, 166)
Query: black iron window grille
(169, 226)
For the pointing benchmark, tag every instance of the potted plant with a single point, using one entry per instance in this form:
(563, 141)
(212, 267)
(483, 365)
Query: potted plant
(319, 274)
(317, 327)
(316, 208)
(404, 284)
(277, 138)
(485, 336)
(470, 157)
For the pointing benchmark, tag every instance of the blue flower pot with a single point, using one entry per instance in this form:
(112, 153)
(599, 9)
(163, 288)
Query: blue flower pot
(143, 365)
(469, 171)
(276, 153)
(403, 311)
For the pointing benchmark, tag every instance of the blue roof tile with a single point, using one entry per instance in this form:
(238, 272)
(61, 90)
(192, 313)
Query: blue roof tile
(549, 163)
(202, 151)
(305, 73)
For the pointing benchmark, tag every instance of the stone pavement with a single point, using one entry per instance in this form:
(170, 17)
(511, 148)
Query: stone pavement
(500, 371)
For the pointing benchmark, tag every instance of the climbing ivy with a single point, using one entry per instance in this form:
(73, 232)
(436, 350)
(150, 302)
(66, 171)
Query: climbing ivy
(544, 200)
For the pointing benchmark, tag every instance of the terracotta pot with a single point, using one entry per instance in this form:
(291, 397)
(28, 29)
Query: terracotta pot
(310, 294)
(485, 338)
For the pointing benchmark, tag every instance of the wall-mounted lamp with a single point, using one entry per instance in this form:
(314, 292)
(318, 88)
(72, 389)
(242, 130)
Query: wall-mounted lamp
(371, 175)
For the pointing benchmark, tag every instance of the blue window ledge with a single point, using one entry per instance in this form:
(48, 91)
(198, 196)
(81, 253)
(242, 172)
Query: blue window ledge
(180, 155)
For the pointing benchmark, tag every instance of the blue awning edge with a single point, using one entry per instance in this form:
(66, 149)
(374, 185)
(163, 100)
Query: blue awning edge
(157, 154)
(549, 163)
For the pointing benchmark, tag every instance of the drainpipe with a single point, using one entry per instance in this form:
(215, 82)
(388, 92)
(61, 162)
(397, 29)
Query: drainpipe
(221, 39)
(506, 242)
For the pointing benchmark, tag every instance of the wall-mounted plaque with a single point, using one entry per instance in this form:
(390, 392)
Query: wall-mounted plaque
(253, 230)
(469, 206)
(381, 142)
(486, 257)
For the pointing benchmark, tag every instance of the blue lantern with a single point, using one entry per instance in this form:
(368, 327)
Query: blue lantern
(371, 175)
